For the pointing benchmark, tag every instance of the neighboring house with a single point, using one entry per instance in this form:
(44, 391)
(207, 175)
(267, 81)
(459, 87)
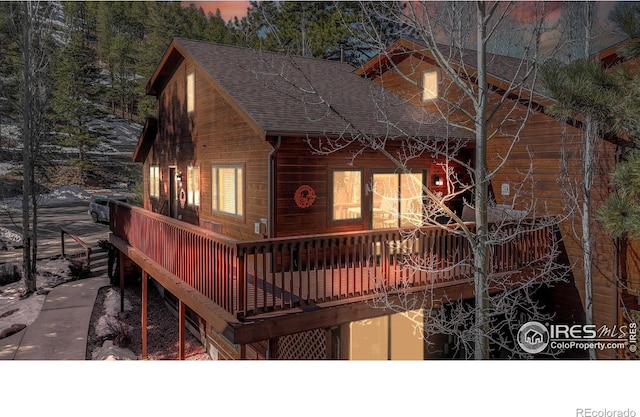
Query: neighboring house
(540, 147)
(281, 247)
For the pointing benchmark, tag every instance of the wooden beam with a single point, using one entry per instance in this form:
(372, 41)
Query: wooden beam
(302, 321)
(121, 272)
(181, 308)
(143, 320)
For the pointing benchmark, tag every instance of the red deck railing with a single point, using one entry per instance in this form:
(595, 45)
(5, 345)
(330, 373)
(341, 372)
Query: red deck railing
(249, 278)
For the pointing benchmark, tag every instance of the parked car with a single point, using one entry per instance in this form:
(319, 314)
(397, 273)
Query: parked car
(99, 206)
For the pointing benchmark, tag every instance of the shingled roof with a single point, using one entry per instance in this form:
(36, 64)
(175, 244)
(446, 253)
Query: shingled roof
(287, 95)
(502, 68)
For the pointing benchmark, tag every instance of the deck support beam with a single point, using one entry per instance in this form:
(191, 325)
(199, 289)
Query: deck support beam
(143, 319)
(181, 330)
(121, 273)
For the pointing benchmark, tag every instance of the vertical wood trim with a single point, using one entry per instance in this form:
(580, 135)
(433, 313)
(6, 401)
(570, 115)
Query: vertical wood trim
(181, 329)
(345, 341)
(329, 343)
(243, 351)
(143, 320)
(122, 257)
(273, 349)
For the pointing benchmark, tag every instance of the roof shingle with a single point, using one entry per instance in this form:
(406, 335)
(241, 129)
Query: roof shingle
(289, 95)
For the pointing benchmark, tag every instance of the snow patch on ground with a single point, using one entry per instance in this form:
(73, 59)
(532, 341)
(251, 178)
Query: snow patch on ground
(6, 167)
(10, 238)
(109, 352)
(108, 323)
(51, 273)
(62, 196)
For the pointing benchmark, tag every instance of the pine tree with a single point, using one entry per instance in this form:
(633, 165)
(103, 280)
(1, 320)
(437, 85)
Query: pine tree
(620, 214)
(76, 85)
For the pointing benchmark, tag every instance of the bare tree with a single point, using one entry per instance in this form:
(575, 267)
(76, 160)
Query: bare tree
(458, 36)
(29, 18)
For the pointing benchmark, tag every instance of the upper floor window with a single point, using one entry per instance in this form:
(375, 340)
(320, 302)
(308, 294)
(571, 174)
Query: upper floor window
(193, 186)
(191, 92)
(430, 85)
(347, 194)
(154, 181)
(227, 189)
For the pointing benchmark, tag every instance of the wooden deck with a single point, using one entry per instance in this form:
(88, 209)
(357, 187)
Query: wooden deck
(253, 278)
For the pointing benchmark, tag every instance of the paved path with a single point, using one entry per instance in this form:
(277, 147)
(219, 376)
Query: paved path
(62, 327)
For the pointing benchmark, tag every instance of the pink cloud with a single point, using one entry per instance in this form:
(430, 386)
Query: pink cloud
(228, 8)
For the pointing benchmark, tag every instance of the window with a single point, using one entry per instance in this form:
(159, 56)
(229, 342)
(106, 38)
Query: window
(397, 200)
(193, 186)
(227, 189)
(154, 181)
(191, 92)
(347, 194)
(429, 85)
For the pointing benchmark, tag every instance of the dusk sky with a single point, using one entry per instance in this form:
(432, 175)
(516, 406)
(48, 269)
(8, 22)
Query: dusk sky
(228, 9)
(238, 8)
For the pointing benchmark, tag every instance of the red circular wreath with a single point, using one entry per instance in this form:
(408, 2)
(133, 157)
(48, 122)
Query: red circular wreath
(305, 196)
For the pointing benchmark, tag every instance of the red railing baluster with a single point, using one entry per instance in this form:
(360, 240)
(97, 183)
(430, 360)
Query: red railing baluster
(223, 268)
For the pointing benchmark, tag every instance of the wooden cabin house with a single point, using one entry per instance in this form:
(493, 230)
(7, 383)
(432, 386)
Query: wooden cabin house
(270, 223)
(544, 150)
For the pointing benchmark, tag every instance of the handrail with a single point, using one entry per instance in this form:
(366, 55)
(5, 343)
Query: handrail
(85, 246)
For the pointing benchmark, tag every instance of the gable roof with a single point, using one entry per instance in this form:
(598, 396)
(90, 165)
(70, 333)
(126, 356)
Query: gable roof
(502, 70)
(284, 95)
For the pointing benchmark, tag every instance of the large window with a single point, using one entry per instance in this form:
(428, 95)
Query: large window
(429, 85)
(347, 194)
(193, 186)
(154, 181)
(191, 92)
(396, 200)
(227, 189)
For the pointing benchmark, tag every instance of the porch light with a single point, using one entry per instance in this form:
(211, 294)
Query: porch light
(437, 181)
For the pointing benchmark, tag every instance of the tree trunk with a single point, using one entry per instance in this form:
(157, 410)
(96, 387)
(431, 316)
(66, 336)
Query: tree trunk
(27, 161)
(586, 240)
(481, 249)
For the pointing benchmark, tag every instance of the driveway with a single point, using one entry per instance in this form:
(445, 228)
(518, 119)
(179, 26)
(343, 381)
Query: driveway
(73, 217)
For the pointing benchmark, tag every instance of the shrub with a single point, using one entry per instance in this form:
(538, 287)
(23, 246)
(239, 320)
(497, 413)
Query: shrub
(9, 273)
(104, 245)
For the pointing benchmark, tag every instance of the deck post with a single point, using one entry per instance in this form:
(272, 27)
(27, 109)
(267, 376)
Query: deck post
(180, 330)
(121, 281)
(143, 320)
(62, 241)
(242, 287)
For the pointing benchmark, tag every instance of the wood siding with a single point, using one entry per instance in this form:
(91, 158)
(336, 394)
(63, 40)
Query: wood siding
(296, 166)
(214, 134)
(539, 151)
